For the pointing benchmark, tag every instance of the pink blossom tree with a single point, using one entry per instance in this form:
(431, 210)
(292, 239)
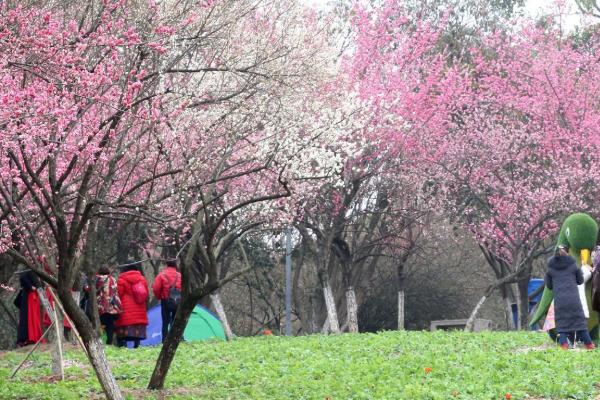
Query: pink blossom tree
(523, 153)
(504, 143)
(404, 75)
(244, 159)
(363, 216)
(74, 103)
(111, 116)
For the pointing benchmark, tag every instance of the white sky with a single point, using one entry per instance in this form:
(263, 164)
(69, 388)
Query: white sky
(533, 8)
(572, 15)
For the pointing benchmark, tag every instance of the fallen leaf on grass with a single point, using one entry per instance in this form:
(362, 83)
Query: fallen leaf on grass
(49, 379)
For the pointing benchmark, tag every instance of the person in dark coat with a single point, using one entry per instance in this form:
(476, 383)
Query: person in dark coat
(596, 279)
(28, 301)
(133, 320)
(562, 277)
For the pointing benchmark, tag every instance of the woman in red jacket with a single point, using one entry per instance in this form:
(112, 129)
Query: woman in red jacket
(133, 292)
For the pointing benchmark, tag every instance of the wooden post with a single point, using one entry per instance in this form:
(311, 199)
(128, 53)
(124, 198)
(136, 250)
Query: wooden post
(59, 345)
(32, 350)
(73, 329)
(57, 353)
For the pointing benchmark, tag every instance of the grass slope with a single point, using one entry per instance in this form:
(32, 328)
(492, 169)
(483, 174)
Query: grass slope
(389, 365)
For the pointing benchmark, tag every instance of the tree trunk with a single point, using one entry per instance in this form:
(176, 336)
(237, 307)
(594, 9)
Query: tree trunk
(251, 306)
(473, 316)
(205, 301)
(325, 328)
(12, 318)
(401, 310)
(334, 325)
(523, 303)
(504, 291)
(100, 364)
(400, 287)
(488, 292)
(352, 310)
(517, 308)
(508, 314)
(296, 290)
(93, 304)
(93, 345)
(77, 297)
(216, 301)
(169, 347)
(313, 312)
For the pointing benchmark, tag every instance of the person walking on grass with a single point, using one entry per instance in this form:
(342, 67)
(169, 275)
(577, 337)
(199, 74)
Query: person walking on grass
(133, 292)
(562, 277)
(28, 301)
(167, 289)
(109, 302)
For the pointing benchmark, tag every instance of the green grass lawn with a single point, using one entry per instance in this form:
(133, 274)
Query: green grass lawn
(389, 365)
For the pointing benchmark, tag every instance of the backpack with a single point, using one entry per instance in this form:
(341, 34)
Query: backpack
(174, 294)
(114, 300)
(140, 292)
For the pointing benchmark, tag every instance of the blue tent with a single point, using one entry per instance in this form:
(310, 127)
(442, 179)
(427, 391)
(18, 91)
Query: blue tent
(202, 325)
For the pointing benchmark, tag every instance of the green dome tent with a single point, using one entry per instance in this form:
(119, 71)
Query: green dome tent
(203, 325)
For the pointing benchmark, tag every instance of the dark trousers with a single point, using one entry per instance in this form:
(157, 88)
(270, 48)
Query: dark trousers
(122, 342)
(67, 333)
(168, 315)
(566, 337)
(108, 320)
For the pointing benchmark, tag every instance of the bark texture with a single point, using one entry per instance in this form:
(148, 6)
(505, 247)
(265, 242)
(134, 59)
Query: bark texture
(334, 325)
(101, 367)
(401, 310)
(471, 321)
(93, 345)
(352, 310)
(216, 301)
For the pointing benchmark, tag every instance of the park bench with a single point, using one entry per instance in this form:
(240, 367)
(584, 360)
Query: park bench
(452, 324)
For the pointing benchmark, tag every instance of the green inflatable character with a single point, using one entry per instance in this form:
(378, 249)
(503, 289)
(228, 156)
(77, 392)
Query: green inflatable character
(579, 232)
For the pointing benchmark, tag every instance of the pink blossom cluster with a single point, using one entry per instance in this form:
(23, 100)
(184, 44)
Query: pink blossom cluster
(505, 142)
(6, 287)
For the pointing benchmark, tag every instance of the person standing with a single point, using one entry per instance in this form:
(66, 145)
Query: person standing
(28, 301)
(596, 278)
(562, 277)
(167, 289)
(109, 302)
(133, 292)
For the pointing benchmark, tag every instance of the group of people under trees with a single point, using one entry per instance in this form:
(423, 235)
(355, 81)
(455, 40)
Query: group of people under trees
(122, 303)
